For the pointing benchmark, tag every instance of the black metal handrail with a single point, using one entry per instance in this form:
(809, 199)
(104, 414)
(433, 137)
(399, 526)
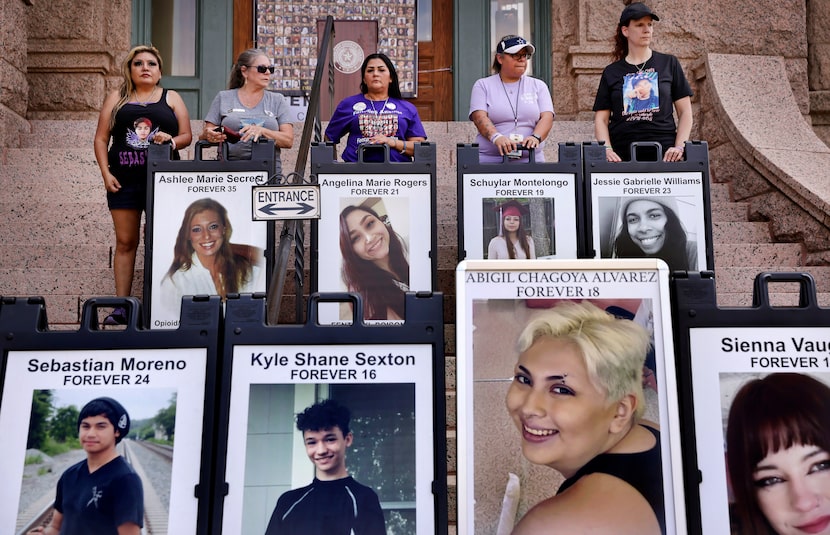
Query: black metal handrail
(293, 228)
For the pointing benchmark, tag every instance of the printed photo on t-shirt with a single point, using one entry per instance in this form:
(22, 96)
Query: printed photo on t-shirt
(640, 92)
(374, 124)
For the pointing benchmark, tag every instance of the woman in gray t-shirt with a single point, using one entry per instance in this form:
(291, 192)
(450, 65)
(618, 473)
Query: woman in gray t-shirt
(246, 111)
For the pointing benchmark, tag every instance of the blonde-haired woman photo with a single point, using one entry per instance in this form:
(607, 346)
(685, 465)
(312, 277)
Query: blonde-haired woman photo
(577, 401)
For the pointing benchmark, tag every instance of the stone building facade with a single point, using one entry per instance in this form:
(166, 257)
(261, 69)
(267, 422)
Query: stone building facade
(60, 57)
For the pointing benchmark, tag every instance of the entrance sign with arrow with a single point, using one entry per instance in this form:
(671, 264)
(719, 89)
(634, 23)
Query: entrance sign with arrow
(286, 202)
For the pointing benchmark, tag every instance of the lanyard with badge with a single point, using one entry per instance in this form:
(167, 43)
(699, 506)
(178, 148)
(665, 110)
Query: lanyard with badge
(515, 136)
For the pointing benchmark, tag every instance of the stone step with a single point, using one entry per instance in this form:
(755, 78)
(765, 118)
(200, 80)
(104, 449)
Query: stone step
(730, 212)
(45, 281)
(57, 256)
(719, 193)
(61, 133)
(75, 184)
(758, 254)
(776, 299)
(34, 222)
(741, 232)
(740, 279)
(58, 159)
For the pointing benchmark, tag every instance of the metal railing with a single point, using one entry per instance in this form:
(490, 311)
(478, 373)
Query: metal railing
(293, 228)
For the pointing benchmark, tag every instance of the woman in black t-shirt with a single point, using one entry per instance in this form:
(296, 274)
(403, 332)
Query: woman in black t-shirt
(639, 92)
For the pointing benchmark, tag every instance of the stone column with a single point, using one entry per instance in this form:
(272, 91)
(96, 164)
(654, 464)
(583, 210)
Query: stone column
(818, 75)
(583, 33)
(14, 88)
(74, 56)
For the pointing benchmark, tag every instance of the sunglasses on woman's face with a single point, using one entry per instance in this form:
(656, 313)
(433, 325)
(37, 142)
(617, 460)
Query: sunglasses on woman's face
(262, 69)
(520, 57)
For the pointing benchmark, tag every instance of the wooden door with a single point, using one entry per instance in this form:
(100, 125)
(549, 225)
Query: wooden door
(435, 77)
(347, 61)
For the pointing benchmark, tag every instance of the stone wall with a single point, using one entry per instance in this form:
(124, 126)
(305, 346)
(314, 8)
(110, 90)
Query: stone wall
(61, 56)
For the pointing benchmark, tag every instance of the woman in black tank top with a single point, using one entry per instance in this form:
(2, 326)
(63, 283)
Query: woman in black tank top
(140, 112)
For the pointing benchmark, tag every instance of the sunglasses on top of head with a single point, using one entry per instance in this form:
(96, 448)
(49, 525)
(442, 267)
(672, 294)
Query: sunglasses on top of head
(262, 69)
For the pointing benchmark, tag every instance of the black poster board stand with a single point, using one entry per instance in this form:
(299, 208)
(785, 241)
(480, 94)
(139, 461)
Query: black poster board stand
(401, 195)
(680, 188)
(391, 377)
(550, 193)
(496, 301)
(46, 374)
(719, 351)
(178, 189)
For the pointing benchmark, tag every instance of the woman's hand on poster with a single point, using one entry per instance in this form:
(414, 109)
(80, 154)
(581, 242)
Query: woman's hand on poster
(531, 142)
(611, 156)
(162, 137)
(674, 154)
(253, 132)
(504, 144)
(380, 139)
(213, 134)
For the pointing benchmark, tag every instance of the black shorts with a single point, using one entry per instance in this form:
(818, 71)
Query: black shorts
(132, 196)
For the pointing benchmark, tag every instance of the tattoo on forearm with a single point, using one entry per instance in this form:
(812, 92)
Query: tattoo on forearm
(485, 124)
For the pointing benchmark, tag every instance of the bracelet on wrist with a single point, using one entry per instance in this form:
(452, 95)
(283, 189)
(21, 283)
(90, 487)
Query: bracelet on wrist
(403, 150)
(537, 136)
(494, 137)
(173, 142)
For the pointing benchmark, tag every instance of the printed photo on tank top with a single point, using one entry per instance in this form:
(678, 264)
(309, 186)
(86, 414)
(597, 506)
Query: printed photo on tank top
(142, 132)
(640, 95)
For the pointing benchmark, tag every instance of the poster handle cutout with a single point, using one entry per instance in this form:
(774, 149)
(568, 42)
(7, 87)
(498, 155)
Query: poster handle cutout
(656, 150)
(315, 299)
(131, 306)
(806, 294)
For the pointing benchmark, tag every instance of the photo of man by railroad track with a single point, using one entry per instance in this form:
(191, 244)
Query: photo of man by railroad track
(101, 494)
(101, 469)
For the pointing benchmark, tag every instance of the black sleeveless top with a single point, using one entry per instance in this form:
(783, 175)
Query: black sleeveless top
(643, 471)
(134, 128)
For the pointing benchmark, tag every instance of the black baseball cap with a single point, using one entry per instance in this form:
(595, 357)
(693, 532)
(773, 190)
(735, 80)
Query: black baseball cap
(636, 10)
(121, 423)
